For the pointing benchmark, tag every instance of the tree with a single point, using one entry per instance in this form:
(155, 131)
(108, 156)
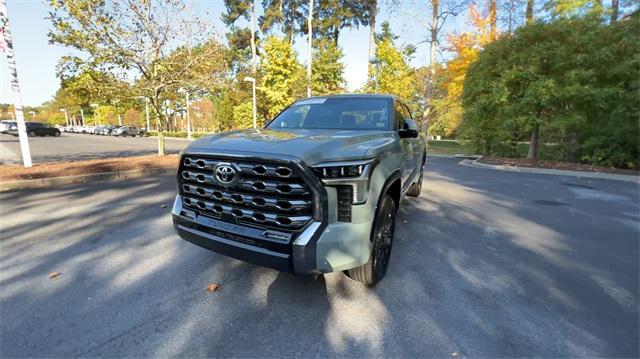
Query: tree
(247, 9)
(465, 47)
(204, 115)
(106, 115)
(328, 71)
(493, 19)
(133, 117)
(529, 12)
(239, 52)
(570, 8)
(335, 15)
(286, 13)
(572, 81)
(133, 39)
(439, 15)
(372, 10)
(282, 75)
(243, 115)
(394, 74)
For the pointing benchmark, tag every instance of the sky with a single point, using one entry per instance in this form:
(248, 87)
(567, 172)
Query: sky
(37, 59)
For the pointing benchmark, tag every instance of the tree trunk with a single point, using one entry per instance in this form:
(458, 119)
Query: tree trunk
(529, 13)
(433, 43)
(573, 147)
(254, 55)
(160, 136)
(533, 144)
(373, 9)
(493, 21)
(510, 18)
(615, 8)
(310, 36)
(336, 35)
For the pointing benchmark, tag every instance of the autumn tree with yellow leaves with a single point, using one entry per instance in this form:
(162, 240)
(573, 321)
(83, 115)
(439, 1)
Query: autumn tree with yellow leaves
(465, 46)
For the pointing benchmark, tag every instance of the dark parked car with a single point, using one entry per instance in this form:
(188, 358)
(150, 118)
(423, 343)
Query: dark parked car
(36, 128)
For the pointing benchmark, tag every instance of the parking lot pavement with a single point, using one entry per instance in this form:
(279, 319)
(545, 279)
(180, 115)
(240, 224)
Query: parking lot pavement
(484, 264)
(74, 147)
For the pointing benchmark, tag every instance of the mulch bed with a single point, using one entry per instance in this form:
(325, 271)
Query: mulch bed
(58, 169)
(523, 162)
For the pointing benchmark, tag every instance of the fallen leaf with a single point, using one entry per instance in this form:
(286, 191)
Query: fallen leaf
(163, 206)
(54, 274)
(212, 287)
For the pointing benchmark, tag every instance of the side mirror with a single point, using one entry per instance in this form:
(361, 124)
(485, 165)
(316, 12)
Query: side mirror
(408, 133)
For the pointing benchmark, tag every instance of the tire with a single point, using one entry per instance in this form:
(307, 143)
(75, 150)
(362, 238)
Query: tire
(31, 134)
(124, 134)
(56, 134)
(382, 237)
(416, 187)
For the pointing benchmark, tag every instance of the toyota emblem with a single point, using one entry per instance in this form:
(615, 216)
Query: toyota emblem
(225, 174)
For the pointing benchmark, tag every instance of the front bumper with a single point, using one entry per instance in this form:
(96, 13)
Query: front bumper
(318, 249)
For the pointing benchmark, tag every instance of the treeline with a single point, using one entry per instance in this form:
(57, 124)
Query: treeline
(572, 84)
(115, 88)
(558, 76)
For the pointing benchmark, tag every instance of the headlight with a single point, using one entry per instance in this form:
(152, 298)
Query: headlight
(355, 174)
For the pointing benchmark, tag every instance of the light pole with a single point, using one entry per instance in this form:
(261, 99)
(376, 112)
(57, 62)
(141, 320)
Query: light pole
(7, 48)
(253, 85)
(374, 61)
(82, 116)
(95, 121)
(66, 116)
(146, 110)
(186, 102)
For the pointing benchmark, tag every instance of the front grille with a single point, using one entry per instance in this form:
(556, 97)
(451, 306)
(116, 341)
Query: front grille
(267, 195)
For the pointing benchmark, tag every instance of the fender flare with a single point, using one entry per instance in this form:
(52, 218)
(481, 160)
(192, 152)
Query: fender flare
(387, 184)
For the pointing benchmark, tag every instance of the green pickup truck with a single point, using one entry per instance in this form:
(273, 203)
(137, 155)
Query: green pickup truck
(315, 191)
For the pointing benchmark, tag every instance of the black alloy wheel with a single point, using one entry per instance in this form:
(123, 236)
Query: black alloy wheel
(375, 269)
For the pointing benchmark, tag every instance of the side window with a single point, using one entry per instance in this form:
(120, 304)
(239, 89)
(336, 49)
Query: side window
(399, 116)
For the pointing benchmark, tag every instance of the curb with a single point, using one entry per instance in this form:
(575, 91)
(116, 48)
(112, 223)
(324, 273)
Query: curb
(173, 138)
(606, 176)
(439, 155)
(65, 180)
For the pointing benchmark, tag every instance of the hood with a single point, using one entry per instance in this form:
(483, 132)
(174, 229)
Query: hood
(311, 145)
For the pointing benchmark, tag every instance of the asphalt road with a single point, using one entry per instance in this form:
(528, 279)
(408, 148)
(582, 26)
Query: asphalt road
(74, 147)
(484, 264)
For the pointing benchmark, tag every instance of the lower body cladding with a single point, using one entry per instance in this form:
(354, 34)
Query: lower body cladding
(319, 248)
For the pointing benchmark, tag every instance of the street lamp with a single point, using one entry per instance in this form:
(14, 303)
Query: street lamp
(146, 109)
(253, 85)
(95, 121)
(374, 61)
(66, 117)
(186, 98)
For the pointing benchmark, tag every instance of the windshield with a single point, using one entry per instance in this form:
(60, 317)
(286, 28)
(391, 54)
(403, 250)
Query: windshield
(355, 113)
